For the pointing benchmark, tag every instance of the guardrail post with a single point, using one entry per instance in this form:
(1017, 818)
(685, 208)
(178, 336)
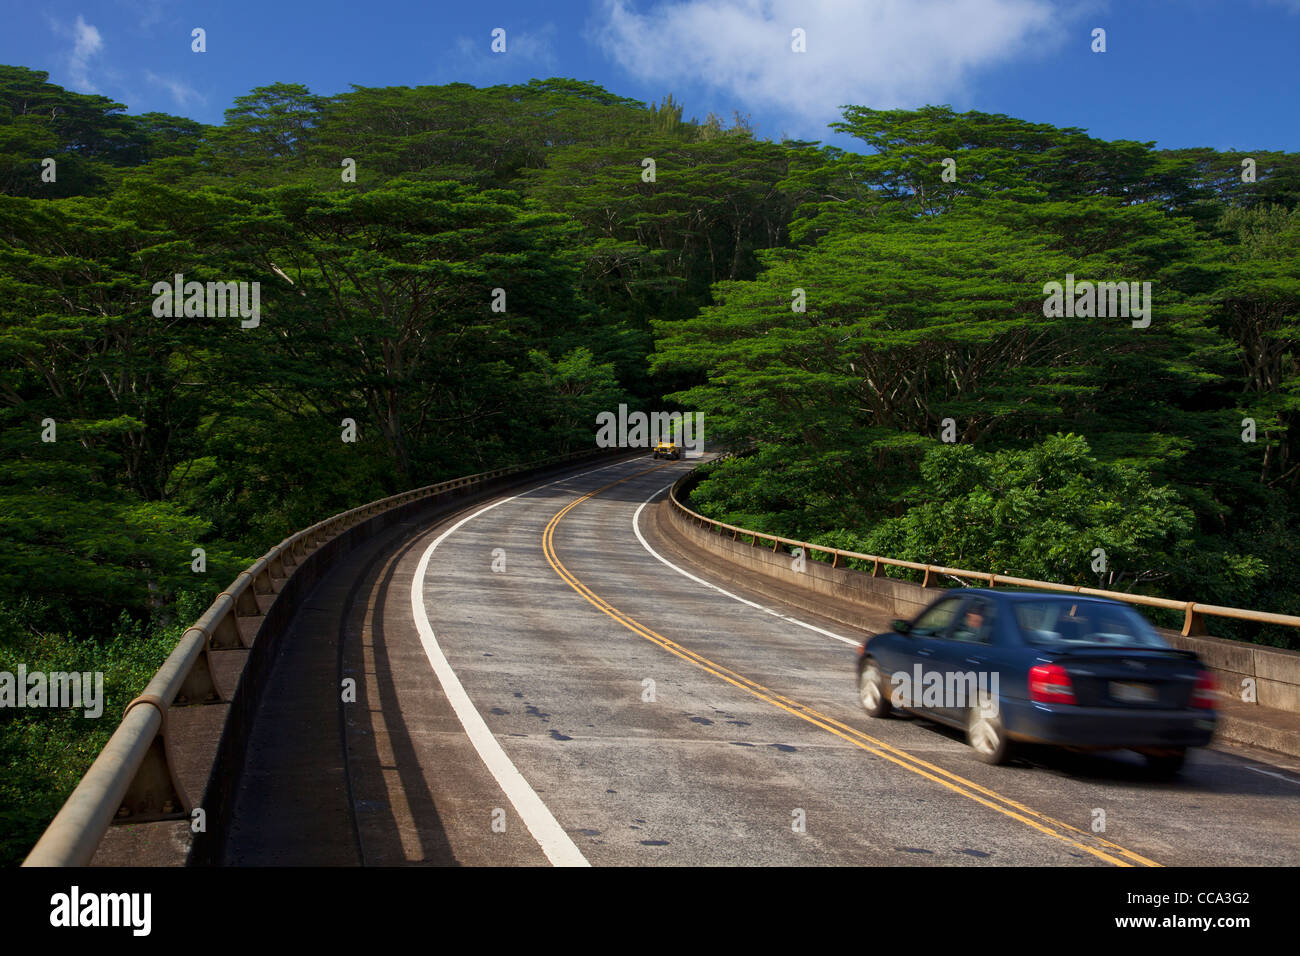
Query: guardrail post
(199, 686)
(1194, 622)
(262, 583)
(225, 635)
(154, 793)
(246, 602)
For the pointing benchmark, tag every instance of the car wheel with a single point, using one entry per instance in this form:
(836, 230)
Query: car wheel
(987, 736)
(656, 456)
(1166, 763)
(871, 690)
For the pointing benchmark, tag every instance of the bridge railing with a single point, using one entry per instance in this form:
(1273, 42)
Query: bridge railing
(134, 778)
(1194, 612)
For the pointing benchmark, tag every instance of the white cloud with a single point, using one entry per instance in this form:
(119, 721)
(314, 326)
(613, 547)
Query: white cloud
(537, 47)
(879, 53)
(181, 92)
(86, 45)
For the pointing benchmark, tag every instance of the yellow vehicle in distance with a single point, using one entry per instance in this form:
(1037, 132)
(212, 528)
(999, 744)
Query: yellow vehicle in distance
(668, 449)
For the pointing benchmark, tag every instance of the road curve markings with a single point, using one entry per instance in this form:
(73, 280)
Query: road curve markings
(1119, 856)
(636, 526)
(546, 830)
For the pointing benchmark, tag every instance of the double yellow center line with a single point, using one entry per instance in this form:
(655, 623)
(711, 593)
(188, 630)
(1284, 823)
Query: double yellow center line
(1057, 829)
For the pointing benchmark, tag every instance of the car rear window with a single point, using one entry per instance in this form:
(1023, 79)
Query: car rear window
(1073, 623)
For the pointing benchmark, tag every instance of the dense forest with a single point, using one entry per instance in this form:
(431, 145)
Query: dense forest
(471, 274)
(928, 404)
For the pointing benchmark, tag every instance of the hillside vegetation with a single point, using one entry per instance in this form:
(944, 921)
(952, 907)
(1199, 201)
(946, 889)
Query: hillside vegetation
(471, 275)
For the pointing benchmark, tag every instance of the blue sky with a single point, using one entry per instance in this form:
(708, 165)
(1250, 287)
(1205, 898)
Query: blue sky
(1219, 73)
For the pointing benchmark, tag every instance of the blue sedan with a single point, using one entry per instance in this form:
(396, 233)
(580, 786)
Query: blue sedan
(1042, 667)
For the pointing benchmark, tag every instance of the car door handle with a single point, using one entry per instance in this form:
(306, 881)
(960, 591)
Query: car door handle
(974, 660)
(924, 652)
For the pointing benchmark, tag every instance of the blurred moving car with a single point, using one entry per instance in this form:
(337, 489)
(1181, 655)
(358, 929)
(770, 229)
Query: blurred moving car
(668, 449)
(1042, 667)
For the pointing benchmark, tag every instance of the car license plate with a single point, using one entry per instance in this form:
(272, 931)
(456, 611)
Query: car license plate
(1132, 693)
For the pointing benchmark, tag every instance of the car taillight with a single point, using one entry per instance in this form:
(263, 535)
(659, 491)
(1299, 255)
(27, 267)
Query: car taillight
(1206, 691)
(1050, 684)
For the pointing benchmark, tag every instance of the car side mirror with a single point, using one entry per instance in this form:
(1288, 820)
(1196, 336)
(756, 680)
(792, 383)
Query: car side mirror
(902, 627)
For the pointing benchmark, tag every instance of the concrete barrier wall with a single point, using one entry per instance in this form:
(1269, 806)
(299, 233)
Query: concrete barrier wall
(227, 765)
(1275, 671)
(224, 777)
(187, 734)
(898, 598)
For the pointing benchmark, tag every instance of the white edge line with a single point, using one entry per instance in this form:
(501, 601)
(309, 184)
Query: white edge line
(636, 526)
(546, 830)
(1270, 773)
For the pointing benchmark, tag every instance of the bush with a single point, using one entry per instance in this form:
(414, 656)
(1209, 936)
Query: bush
(44, 752)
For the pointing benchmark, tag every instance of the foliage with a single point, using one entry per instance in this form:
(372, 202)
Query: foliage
(379, 303)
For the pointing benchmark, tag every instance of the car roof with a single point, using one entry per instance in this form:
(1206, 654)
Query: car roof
(1038, 595)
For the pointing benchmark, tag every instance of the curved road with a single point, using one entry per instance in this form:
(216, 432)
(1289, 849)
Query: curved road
(550, 678)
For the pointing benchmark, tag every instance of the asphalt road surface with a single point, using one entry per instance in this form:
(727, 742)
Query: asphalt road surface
(550, 677)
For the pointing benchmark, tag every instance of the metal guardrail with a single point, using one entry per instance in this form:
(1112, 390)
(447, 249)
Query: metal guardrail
(1194, 613)
(132, 780)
